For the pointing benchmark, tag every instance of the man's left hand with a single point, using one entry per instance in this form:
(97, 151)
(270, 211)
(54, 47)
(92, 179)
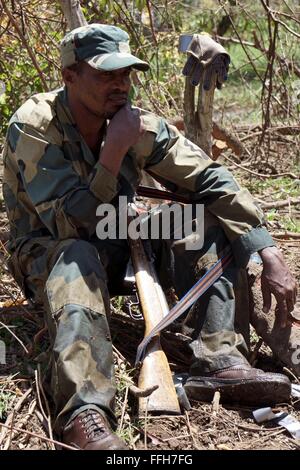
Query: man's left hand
(277, 279)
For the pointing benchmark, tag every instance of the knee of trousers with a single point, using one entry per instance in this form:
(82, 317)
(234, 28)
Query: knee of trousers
(79, 278)
(187, 266)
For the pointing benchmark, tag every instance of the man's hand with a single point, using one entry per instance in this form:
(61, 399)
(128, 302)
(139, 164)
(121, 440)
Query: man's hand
(124, 130)
(277, 279)
(126, 127)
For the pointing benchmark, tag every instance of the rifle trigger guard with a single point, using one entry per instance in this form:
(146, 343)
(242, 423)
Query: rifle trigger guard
(134, 315)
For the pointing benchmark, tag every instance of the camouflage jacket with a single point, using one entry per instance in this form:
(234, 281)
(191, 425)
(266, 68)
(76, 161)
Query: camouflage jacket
(53, 183)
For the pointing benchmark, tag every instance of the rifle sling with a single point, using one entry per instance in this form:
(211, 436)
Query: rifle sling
(147, 191)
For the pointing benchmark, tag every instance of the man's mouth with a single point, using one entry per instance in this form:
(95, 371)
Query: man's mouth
(118, 99)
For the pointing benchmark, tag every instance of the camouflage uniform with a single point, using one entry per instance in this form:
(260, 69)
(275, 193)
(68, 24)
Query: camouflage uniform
(52, 187)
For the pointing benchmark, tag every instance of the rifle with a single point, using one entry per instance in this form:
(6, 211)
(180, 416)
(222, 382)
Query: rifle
(155, 369)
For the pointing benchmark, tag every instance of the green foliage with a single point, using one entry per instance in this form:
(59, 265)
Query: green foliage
(280, 188)
(17, 70)
(5, 400)
(118, 302)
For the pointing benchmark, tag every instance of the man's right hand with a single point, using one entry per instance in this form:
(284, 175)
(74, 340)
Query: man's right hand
(124, 131)
(125, 127)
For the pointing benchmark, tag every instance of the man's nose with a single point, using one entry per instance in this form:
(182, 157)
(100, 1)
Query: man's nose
(122, 83)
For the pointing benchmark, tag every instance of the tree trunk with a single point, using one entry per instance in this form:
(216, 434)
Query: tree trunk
(73, 13)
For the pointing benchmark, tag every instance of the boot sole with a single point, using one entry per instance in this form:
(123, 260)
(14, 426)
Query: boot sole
(244, 391)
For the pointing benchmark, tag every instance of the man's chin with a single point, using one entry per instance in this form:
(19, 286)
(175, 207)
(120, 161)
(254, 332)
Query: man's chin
(109, 114)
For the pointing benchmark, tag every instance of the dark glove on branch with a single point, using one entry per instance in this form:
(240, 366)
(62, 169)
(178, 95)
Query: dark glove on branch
(207, 58)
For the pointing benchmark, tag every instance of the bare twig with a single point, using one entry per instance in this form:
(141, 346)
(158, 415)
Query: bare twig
(276, 20)
(268, 77)
(254, 353)
(9, 419)
(279, 204)
(7, 445)
(123, 409)
(146, 425)
(39, 388)
(42, 438)
(261, 175)
(148, 4)
(15, 336)
(241, 42)
(291, 374)
(216, 403)
(187, 419)
(21, 424)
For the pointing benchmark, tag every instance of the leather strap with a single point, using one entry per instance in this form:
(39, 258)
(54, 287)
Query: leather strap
(147, 191)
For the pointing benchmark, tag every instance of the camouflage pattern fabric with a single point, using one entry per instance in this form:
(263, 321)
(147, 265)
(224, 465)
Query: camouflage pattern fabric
(52, 187)
(102, 46)
(53, 183)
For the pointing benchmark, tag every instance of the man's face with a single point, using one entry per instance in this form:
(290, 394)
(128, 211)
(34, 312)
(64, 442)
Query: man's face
(101, 93)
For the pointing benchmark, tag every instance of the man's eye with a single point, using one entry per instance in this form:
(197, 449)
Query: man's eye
(104, 75)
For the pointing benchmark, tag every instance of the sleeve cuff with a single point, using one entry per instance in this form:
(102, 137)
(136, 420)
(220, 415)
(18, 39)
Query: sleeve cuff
(103, 184)
(255, 240)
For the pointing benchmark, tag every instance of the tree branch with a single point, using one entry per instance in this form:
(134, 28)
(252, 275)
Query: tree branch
(25, 44)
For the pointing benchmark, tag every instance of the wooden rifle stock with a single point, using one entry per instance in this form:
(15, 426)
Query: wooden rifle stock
(155, 369)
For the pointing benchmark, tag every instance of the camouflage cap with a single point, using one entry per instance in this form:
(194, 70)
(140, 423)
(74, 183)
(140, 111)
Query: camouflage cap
(102, 46)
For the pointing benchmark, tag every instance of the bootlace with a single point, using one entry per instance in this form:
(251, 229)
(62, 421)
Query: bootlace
(94, 425)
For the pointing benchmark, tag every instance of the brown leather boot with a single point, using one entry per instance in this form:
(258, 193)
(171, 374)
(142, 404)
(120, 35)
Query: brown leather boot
(240, 384)
(90, 430)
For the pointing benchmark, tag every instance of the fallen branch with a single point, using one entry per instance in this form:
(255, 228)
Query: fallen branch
(285, 235)
(278, 204)
(231, 141)
(261, 175)
(285, 130)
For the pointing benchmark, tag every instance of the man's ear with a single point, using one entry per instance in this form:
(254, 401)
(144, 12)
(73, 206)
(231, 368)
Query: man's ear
(68, 76)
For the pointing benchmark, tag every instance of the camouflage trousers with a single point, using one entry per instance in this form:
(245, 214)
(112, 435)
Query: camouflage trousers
(73, 280)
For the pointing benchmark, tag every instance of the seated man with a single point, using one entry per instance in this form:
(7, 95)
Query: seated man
(73, 149)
